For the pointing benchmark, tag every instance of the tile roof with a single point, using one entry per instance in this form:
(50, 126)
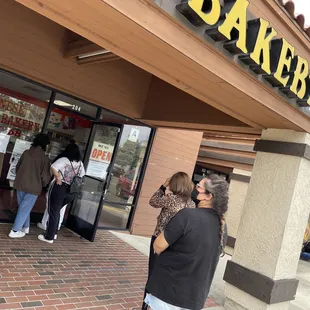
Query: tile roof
(299, 18)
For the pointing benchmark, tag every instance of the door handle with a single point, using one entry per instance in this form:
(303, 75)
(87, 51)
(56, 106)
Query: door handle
(107, 184)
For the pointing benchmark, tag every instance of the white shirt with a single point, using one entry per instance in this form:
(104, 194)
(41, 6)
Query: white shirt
(64, 167)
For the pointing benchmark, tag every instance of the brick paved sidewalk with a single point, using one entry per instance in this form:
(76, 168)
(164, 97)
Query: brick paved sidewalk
(71, 273)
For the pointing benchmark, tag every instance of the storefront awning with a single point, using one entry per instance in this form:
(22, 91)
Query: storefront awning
(144, 34)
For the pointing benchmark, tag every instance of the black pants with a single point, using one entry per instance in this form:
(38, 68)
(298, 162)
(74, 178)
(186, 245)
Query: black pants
(59, 197)
(152, 259)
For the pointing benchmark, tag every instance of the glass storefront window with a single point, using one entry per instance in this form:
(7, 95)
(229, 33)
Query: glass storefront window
(23, 107)
(128, 164)
(19, 118)
(64, 125)
(87, 203)
(114, 216)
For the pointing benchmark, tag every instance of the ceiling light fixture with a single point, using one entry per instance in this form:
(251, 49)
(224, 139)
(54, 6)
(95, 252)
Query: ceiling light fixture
(102, 52)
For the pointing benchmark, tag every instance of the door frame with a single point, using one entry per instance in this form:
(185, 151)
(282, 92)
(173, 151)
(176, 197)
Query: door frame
(72, 220)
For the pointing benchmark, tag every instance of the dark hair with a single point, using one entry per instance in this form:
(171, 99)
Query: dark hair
(63, 153)
(71, 141)
(41, 140)
(181, 185)
(72, 152)
(218, 188)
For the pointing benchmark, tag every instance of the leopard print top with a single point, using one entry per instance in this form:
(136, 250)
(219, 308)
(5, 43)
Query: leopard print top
(170, 205)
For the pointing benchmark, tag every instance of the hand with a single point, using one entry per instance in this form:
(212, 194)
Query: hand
(166, 184)
(58, 181)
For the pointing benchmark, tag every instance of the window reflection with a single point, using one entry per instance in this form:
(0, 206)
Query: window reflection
(114, 216)
(128, 164)
(87, 203)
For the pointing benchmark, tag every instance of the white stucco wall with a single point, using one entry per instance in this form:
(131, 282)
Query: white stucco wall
(237, 194)
(274, 218)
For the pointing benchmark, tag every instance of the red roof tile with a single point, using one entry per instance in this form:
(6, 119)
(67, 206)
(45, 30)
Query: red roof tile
(299, 18)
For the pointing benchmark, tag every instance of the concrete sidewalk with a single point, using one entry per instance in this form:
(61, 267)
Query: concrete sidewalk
(217, 292)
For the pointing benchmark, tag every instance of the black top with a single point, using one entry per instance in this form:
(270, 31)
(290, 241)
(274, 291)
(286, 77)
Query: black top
(183, 273)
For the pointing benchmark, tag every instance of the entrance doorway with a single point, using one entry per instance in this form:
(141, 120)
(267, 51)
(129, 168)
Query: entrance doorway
(114, 150)
(113, 164)
(86, 209)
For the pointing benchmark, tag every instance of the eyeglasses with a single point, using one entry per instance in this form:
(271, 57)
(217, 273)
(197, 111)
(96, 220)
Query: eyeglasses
(204, 189)
(200, 186)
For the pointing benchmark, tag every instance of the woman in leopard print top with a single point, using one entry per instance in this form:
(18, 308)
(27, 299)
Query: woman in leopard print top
(180, 186)
(170, 205)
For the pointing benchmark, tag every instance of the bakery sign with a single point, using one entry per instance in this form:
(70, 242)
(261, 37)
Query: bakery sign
(254, 42)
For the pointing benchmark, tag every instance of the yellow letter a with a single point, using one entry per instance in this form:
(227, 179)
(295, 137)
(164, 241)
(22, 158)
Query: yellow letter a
(236, 18)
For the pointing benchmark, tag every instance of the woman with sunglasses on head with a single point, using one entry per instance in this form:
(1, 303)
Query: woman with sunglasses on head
(189, 249)
(180, 187)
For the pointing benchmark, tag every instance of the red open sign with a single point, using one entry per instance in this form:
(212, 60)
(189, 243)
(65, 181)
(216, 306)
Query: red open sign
(101, 155)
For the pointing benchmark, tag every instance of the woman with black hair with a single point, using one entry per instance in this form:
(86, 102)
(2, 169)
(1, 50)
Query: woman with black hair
(43, 224)
(65, 170)
(32, 173)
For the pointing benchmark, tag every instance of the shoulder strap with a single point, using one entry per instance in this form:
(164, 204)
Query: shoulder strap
(72, 168)
(78, 172)
(79, 168)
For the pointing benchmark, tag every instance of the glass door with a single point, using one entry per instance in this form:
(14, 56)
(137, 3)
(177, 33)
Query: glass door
(85, 211)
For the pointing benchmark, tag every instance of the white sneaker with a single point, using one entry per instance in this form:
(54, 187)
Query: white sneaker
(41, 226)
(16, 234)
(42, 238)
(25, 230)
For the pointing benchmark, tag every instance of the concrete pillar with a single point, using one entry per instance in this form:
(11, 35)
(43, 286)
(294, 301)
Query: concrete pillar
(262, 272)
(239, 182)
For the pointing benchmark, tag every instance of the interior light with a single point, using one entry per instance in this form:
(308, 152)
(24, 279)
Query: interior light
(62, 103)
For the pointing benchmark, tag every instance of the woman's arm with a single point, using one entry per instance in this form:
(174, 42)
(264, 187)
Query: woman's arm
(45, 172)
(57, 176)
(159, 199)
(57, 166)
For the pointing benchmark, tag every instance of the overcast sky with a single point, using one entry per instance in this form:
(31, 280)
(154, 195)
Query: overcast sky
(303, 7)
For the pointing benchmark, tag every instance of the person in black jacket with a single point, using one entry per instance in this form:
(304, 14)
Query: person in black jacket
(189, 250)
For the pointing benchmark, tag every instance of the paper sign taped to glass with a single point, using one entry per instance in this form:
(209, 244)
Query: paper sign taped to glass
(4, 141)
(19, 148)
(100, 158)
